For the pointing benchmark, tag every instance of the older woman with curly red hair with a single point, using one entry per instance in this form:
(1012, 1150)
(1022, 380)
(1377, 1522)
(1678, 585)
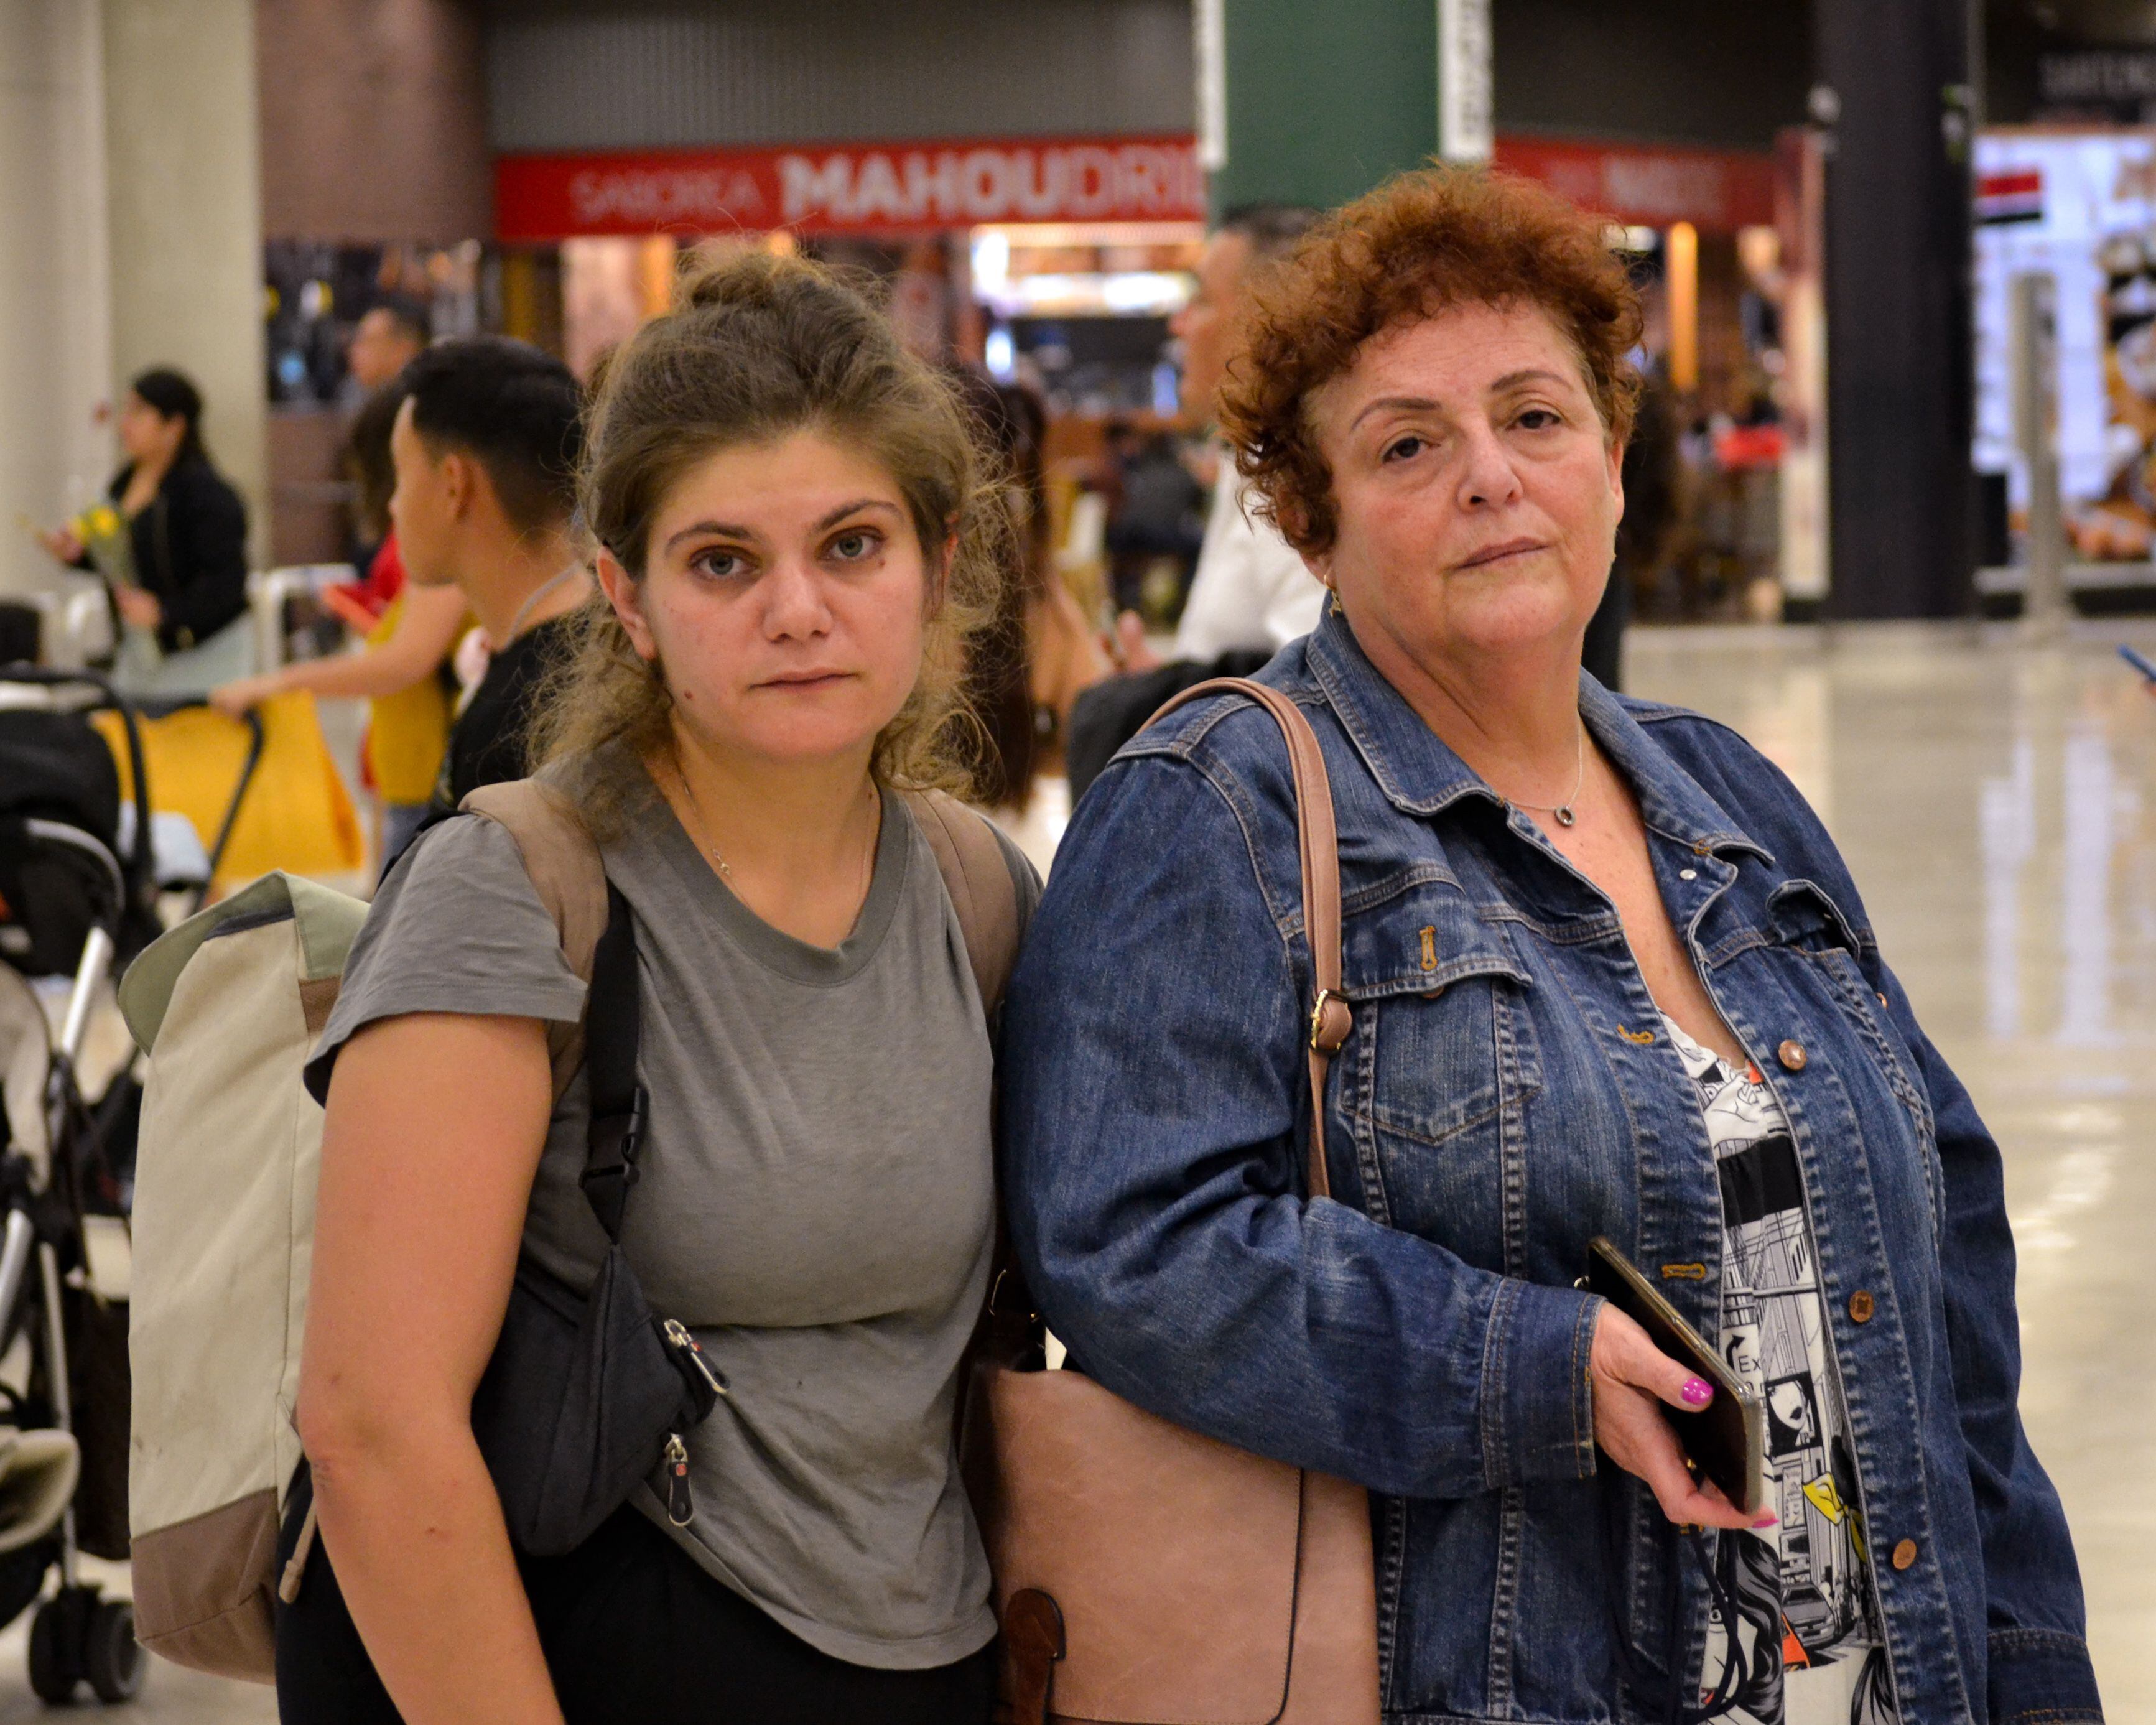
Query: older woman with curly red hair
(1607, 976)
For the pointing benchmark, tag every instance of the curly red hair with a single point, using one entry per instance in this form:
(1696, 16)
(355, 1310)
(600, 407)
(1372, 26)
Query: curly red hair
(1421, 242)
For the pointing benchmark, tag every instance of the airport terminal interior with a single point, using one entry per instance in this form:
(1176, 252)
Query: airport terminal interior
(1994, 798)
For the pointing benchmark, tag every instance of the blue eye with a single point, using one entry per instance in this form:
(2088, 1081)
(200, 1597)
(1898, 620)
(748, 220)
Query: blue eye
(719, 565)
(854, 545)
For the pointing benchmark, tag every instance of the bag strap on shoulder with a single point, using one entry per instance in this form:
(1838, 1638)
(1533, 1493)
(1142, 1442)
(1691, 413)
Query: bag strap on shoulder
(598, 940)
(1319, 839)
(562, 860)
(613, 1021)
(979, 878)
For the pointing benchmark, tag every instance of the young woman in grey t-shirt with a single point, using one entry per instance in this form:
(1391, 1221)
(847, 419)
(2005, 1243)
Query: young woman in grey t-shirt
(795, 534)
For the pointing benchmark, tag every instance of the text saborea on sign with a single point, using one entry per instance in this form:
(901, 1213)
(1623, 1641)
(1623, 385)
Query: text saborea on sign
(849, 188)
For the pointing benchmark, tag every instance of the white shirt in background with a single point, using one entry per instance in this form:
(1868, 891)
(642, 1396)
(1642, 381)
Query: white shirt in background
(1250, 590)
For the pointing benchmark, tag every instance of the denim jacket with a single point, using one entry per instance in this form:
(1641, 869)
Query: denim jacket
(1507, 1094)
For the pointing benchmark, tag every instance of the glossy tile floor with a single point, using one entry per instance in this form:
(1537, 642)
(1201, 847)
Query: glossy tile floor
(1997, 803)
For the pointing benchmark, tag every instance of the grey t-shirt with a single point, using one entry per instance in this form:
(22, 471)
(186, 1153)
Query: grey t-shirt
(816, 1201)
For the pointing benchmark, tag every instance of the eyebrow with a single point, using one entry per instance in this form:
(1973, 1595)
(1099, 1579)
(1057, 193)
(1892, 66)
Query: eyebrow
(1424, 404)
(732, 530)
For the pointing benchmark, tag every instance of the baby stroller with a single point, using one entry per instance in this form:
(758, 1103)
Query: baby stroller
(80, 885)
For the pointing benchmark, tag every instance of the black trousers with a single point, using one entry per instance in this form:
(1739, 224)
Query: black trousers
(634, 1634)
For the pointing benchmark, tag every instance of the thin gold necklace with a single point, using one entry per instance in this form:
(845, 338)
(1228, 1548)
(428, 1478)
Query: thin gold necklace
(698, 836)
(702, 839)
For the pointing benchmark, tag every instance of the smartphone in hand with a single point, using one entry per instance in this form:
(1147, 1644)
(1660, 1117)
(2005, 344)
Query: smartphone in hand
(1726, 1439)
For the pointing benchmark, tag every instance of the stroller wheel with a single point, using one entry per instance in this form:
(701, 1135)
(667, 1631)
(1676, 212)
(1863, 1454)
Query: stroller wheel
(112, 1659)
(56, 1650)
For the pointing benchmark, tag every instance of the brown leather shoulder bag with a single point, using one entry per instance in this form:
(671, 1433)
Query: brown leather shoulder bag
(1146, 1575)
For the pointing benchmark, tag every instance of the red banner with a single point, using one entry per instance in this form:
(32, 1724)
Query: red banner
(1652, 185)
(849, 188)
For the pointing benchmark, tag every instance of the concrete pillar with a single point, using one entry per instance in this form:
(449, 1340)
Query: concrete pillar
(55, 341)
(184, 171)
(1303, 104)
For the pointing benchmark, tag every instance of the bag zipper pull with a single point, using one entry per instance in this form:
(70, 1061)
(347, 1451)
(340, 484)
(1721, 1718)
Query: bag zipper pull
(680, 1503)
(677, 1334)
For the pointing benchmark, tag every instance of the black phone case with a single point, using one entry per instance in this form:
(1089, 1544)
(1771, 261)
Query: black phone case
(1726, 1439)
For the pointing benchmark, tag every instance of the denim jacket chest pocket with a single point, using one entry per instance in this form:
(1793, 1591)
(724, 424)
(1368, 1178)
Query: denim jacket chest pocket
(1806, 923)
(1442, 1061)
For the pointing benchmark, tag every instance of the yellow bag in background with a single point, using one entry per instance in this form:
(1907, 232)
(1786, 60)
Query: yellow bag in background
(298, 814)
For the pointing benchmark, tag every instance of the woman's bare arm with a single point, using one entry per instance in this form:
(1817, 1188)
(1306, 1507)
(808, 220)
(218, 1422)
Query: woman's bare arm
(422, 640)
(425, 1176)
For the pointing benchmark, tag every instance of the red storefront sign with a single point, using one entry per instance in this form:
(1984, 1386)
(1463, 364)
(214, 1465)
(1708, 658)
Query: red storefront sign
(849, 188)
(1652, 185)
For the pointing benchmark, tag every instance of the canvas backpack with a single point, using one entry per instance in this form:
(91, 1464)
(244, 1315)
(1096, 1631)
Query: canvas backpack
(228, 1007)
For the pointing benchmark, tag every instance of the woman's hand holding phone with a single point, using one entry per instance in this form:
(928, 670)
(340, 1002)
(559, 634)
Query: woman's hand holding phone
(1633, 1379)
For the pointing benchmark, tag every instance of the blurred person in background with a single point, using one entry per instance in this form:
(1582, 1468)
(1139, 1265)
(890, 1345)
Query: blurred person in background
(1028, 663)
(1158, 517)
(486, 445)
(1652, 1008)
(387, 337)
(403, 673)
(1653, 477)
(1250, 594)
(180, 576)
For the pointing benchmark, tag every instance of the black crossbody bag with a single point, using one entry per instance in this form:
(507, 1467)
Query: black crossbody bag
(589, 1394)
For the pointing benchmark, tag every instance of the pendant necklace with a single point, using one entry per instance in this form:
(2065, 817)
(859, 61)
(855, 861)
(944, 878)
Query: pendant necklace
(1567, 812)
(701, 839)
(695, 820)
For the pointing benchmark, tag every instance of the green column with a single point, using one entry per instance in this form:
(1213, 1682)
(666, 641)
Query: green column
(1322, 101)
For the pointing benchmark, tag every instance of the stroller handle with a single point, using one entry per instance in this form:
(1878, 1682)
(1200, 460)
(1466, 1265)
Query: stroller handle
(165, 707)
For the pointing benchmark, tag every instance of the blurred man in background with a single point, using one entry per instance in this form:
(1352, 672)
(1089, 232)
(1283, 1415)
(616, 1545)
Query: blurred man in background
(1250, 595)
(1250, 592)
(485, 448)
(386, 340)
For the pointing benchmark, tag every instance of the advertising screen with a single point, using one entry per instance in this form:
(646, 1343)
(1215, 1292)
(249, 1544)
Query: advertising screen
(2082, 207)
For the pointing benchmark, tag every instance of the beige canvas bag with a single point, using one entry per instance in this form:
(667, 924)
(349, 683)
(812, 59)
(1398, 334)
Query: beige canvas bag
(228, 1007)
(1146, 1575)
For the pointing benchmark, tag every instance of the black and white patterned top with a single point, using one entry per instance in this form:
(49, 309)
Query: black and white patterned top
(1807, 1642)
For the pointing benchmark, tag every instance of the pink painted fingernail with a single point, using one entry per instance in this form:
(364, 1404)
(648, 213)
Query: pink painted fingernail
(1697, 1392)
(1769, 1520)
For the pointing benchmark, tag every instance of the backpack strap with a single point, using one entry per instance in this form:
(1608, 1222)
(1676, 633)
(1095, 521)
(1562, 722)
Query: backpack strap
(562, 860)
(977, 877)
(598, 939)
(613, 1027)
